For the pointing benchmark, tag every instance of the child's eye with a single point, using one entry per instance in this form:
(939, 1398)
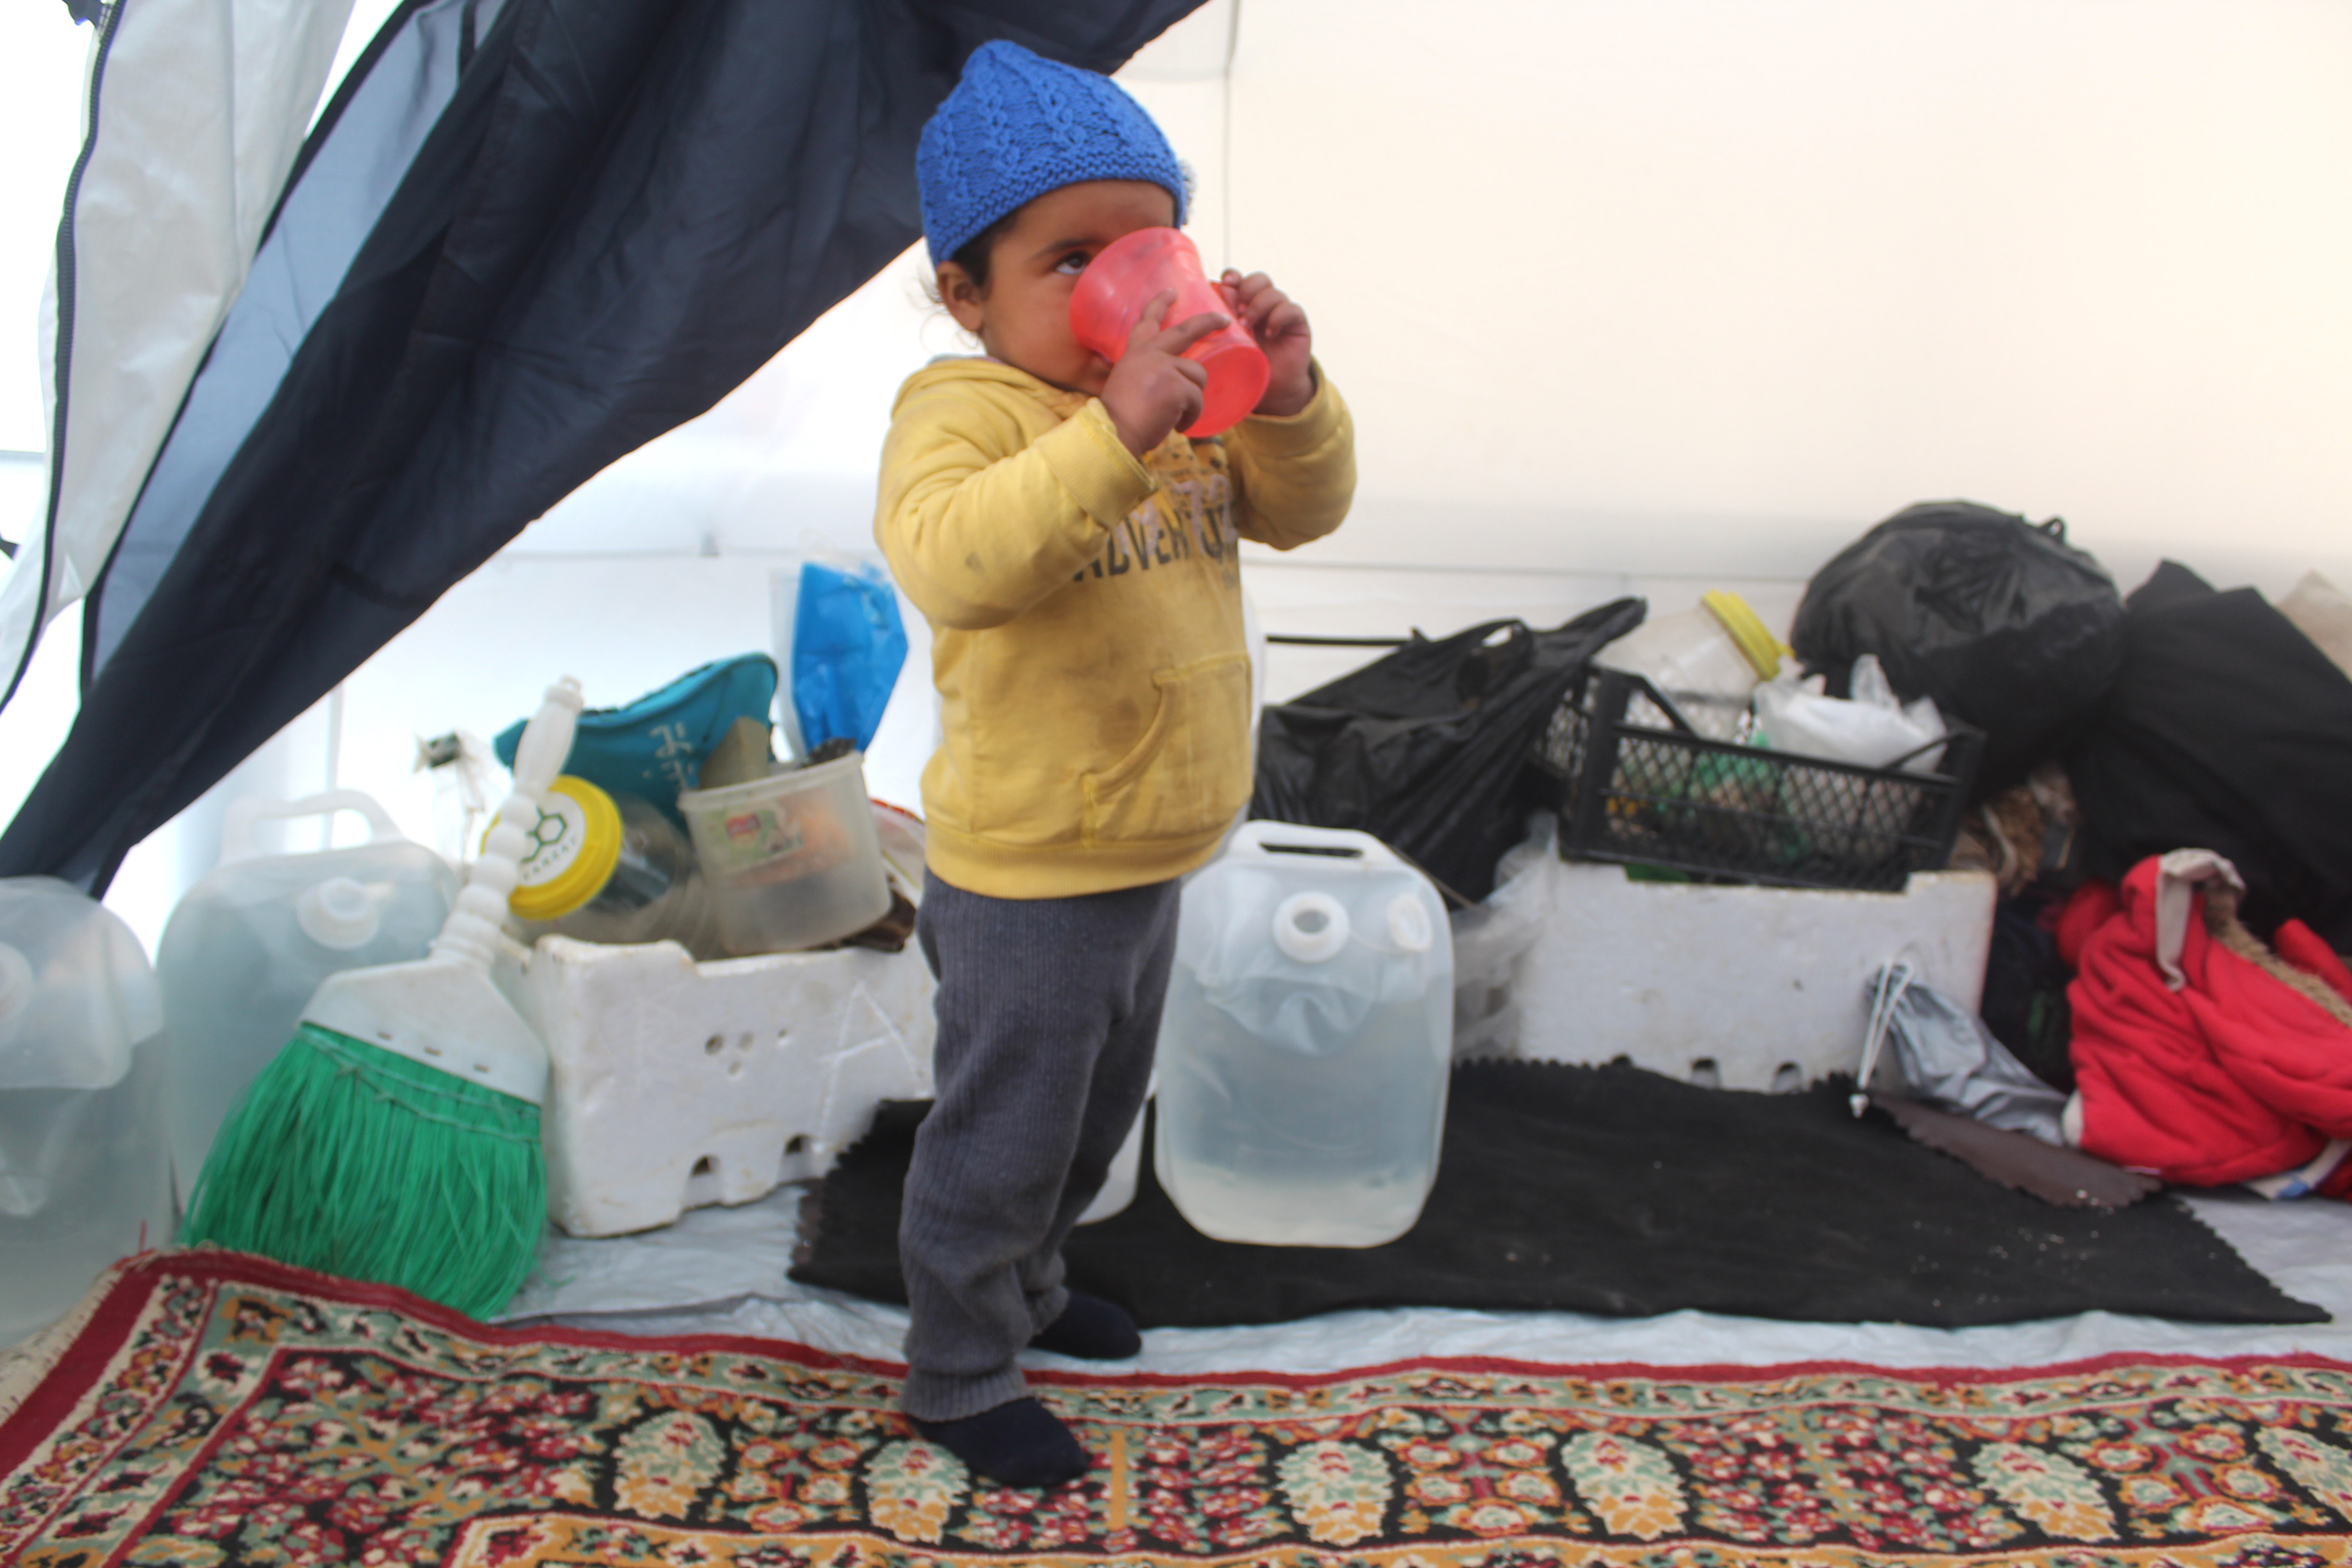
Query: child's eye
(1074, 263)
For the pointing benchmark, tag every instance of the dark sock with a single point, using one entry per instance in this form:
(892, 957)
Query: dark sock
(1021, 1443)
(1092, 1330)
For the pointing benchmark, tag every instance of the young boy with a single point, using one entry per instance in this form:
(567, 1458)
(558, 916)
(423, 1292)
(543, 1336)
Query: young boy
(1077, 559)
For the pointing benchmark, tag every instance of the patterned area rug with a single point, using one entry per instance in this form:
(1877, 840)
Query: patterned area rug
(209, 1408)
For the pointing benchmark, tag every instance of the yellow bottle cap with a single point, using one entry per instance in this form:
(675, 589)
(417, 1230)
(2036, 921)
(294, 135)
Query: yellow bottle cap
(570, 851)
(1756, 645)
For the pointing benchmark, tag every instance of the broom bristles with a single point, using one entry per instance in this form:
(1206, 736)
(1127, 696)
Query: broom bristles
(355, 1161)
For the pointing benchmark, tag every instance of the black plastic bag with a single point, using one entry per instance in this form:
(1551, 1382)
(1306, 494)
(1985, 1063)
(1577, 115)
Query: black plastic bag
(1429, 749)
(2003, 623)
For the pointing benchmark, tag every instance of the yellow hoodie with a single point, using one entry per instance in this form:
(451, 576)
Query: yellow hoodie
(1086, 619)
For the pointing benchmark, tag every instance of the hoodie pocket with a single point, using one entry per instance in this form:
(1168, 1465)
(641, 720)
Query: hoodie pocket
(1188, 773)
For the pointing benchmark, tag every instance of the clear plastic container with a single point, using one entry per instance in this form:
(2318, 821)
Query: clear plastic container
(612, 869)
(791, 861)
(85, 1170)
(1706, 661)
(247, 945)
(1304, 1051)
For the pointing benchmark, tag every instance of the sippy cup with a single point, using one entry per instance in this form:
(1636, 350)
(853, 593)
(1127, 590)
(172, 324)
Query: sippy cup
(1132, 271)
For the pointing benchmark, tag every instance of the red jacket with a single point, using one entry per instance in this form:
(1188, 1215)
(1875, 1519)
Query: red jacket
(2231, 1074)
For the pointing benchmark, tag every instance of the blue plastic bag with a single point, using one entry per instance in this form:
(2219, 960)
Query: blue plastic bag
(848, 647)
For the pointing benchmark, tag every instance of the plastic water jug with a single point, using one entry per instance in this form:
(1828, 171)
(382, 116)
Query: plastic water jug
(247, 945)
(85, 1172)
(1303, 1054)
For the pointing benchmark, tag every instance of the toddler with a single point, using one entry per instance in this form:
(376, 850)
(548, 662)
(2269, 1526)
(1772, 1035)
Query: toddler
(1077, 559)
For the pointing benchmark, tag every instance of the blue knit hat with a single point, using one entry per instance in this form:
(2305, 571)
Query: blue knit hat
(1018, 126)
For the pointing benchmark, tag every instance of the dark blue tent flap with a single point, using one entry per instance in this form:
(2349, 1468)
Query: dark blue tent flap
(627, 208)
(350, 168)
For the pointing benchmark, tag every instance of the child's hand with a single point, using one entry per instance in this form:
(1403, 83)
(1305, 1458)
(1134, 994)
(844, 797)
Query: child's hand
(1154, 389)
(1279, 326)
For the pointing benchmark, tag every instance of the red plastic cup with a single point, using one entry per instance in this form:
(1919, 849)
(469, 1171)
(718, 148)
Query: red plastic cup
(1120, 284)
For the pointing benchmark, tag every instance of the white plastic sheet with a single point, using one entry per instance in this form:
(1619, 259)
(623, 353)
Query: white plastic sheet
(720, 1272)
(199, 112)
(1874, 728)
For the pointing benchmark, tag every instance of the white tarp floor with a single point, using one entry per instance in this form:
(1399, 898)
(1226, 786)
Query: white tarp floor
(721, 1271)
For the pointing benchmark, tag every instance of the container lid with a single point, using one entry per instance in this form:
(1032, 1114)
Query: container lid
(1756, 645)
(787, 780)
(1311, 927)
(571, 852)
(340, 913)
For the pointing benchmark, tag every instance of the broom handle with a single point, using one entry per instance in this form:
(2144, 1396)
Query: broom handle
(471, 933)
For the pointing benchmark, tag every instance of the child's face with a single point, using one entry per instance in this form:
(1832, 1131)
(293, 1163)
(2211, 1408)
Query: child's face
(1023, 315)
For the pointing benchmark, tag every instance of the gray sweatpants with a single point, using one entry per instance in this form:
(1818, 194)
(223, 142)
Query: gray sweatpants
(1048, 1010)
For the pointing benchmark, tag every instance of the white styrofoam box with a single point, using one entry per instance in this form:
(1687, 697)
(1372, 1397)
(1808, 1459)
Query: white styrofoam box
(1767, 984)
(675, 1084)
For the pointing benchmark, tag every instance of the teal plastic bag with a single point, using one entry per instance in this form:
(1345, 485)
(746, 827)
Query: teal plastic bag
(848, 647)
(656, 746)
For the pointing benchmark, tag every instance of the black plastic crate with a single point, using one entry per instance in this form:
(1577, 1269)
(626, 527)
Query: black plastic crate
(1662, 795)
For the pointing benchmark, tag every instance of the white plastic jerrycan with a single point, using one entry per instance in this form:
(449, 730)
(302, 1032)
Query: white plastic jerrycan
(85, 1173)
(248, 944)
(1303, 1054)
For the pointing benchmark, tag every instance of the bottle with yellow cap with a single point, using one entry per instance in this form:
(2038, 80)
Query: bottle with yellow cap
(1706, 661)
(611, 869)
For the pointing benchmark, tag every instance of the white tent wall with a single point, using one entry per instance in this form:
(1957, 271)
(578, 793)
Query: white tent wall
(1642, 296)
(41, 116)
(1692, 285)
(24, 482)
(1700, 289)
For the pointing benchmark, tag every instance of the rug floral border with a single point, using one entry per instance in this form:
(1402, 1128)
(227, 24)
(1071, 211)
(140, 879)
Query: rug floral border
(213, 1409)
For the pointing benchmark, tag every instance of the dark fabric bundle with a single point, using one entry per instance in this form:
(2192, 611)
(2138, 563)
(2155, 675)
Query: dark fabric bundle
(1428, 749)
(2003, 623)
(2227, 730)
(2024, 1002)
(1616, 1191)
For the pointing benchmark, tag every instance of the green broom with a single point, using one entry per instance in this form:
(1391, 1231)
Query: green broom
(395, 1137)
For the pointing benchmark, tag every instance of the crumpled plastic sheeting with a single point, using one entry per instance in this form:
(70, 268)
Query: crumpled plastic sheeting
(202, 109)
(1491, 936)
(710, 1256)
(720, 1272)
(1946, 1056)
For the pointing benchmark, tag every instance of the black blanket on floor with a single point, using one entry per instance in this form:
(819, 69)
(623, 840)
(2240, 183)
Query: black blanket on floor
(1616, 1191)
